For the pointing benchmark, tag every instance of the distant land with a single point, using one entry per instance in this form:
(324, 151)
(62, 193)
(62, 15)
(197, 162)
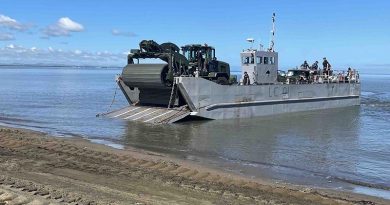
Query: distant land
(58, 65)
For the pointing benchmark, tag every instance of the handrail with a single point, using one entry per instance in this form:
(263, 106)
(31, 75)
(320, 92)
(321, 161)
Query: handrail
(334, 76)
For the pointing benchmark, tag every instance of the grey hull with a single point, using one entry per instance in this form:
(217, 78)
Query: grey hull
(210, 100)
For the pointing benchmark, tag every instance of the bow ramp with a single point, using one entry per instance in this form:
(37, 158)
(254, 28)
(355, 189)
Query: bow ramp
(154, 115)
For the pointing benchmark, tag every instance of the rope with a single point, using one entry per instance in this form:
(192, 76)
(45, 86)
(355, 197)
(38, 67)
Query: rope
(112, 102)
(113, 99)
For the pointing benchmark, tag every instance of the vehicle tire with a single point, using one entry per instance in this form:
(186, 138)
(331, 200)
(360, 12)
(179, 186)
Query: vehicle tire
(164, 77)
(222, 81)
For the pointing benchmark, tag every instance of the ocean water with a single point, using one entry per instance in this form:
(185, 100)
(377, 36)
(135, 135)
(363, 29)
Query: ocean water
(346, 149)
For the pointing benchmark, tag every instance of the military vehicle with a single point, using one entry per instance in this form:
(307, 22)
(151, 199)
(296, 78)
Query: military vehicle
(193, 84)
(298, 76)
(150, 83)
(282, 76)
(202, 60)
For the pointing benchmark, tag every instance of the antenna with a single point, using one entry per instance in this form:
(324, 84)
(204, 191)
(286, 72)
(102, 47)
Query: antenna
(251, 40)
(261, 46)
(272, 43)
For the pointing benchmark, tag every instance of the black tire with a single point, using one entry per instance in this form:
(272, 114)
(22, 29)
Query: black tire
(222, 81)
(164, 77)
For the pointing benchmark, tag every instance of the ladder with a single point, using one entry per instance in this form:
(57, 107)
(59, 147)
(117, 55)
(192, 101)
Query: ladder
(173, 96)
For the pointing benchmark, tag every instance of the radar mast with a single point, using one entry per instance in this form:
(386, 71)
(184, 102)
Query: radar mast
(272, 43)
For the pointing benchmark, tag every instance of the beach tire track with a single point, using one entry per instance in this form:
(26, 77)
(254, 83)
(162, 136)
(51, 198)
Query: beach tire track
(55, 153)
(201, 175)
(17, 191)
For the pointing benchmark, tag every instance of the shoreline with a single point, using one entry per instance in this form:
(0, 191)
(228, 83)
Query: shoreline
(55, 167)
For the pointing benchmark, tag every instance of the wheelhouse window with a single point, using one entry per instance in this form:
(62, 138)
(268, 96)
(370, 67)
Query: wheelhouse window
(248, 60)
(266, 60)
(259, 60)
(245, 60)
(271, 60)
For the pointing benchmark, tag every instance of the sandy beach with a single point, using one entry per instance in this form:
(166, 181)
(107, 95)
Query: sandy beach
(39, 169)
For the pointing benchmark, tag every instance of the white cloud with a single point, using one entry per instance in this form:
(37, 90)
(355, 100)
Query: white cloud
(6, 37)
(15, 54)
(63, 27)
(10, 46)
(69, 25)
(117, 32)
(78, 52)
(10, 23)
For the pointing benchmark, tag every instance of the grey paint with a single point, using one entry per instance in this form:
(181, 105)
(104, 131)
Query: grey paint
(258, 71)
(265, 96)
(210, 99)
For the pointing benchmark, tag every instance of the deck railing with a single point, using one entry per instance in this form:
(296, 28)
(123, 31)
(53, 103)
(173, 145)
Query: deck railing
(332, 76)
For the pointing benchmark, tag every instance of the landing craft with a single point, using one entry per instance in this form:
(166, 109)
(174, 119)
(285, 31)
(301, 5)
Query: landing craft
(192, 83)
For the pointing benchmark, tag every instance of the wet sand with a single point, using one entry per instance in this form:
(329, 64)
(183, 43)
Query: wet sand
(40, 169)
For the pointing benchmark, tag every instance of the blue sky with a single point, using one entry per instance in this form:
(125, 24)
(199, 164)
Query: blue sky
(355, 33)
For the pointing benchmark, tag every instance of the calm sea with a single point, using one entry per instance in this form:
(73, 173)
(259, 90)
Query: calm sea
(347, 149)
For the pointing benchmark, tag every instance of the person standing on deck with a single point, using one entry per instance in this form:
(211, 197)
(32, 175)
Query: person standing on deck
(200, 61)
(314, 71)
(314, 67)
(326, 66)
(305, 65)
(349, 74)
(246, 80)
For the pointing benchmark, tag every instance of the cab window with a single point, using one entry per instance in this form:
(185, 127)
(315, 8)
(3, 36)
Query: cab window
(290, 73)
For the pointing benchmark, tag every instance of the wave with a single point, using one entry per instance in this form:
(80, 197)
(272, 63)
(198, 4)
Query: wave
(379, 100)
(17, 120)
(364, 184)
(367, 93)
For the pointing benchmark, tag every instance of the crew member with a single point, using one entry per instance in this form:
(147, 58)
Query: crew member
(349, 74)
(200, 60)
(305, 65)
(326, 65)
(314, 67)
(246, 80)
(301, 80)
